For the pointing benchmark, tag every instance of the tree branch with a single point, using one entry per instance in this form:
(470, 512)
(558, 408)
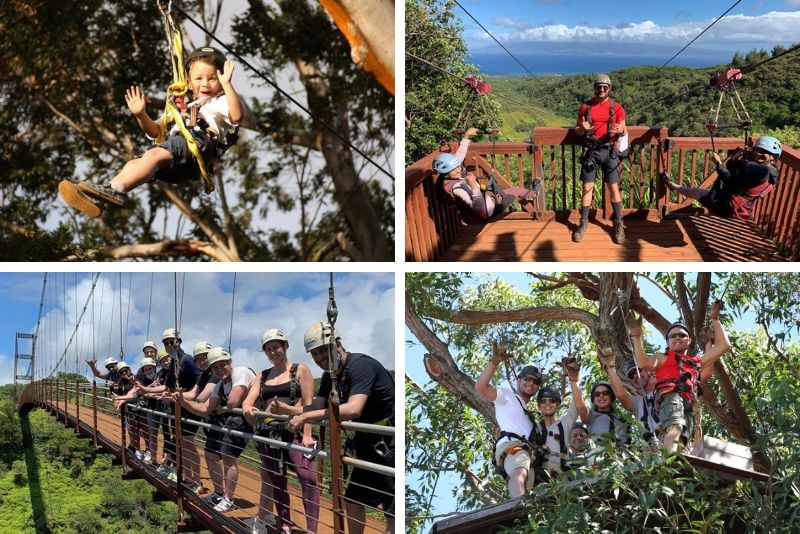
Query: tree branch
(169, 248)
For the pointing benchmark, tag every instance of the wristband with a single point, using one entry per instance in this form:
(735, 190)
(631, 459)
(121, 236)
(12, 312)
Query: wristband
(714, 317)
(635, 334)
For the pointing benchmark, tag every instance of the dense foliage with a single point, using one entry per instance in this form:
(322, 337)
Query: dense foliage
(53, 481)
(63, 116)
(762, 317)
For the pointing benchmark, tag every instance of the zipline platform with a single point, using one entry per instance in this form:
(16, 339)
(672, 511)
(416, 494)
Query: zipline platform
(660, 225)
(689, 237)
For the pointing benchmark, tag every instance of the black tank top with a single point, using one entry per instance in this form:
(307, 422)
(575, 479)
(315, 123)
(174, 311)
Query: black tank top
(286, 391)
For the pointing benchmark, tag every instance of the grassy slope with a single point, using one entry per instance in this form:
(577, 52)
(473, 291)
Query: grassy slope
(519, 112)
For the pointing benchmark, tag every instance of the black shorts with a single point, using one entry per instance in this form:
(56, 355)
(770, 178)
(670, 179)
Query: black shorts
(187, 428)
(717, 203)
(184, 165)
(605, 157)
(367, 487)
(220, 442)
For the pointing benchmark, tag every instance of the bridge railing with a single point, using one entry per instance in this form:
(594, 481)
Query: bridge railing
(84, 406)
(433, 223)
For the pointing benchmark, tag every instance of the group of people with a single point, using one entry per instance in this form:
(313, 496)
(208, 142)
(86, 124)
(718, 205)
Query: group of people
(207, 385)
(747, 176)
(659, 390)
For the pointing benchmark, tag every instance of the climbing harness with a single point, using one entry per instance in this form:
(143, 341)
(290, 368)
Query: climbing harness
(679, 373)
(176, 92)
(724, 83)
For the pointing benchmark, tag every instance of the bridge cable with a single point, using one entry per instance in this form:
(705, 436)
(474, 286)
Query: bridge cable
(233, 298)
(77, 324)
(149, 307)
(701, 33)
(284, 93)
(36, 332)
(121, 327)
(494, 38)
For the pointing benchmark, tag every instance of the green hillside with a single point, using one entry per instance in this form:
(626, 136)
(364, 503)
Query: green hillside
(676, 97)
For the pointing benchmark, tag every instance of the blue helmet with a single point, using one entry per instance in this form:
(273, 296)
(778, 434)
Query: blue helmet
(445, 163)
(769, 144)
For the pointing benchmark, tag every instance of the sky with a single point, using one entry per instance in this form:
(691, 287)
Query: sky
(288, 301)
(443, 501)
(518, 23)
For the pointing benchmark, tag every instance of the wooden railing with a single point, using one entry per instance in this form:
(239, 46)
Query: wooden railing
(432, 223)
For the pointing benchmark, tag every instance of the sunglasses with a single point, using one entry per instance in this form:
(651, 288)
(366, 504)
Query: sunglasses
(601, 86)
(680, 335)
(530, 378)
(169, 342)
(602, 393)
(547, 400)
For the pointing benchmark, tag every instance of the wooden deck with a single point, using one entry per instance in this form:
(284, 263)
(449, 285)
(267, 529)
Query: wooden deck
(685, 238)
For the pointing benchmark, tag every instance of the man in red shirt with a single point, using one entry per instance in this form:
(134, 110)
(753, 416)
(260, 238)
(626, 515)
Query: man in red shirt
(601, 121)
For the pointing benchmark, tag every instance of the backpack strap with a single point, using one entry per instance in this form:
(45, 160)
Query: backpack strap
(293, 383)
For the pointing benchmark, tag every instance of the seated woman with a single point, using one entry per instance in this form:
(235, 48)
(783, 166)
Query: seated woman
(463, 187)
(740, 183)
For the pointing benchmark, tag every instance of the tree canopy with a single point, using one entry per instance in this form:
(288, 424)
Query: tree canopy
(64, 117)
(750, 400)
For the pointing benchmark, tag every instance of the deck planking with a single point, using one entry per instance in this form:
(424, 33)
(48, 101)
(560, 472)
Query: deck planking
(686, 238)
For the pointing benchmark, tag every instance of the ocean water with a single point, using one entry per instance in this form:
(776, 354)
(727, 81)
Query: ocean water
(548, 64)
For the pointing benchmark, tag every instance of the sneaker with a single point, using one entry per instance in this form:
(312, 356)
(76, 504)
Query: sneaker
(259, 527)
(148, 458)
(105, 193)
(138, 455)
(580, 231)
(224, 505)
(619, 233)
(667, 182)
(172, 476)
(214, 498)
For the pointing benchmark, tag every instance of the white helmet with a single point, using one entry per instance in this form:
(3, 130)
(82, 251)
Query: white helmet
(217, 354)
(318, 335)
(273, 334)
(110, 361)
(123, 365)
(169, 333)
(201, 347)
(150, 345)
(148, 361)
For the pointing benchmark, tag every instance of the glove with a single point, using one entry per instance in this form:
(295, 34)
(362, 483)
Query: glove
(705, 335)
(716, 308)
(499, 353)
(607, 357)
(571, 367)
(633, 321)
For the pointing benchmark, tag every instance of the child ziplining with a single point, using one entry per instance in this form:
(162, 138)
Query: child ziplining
(209, 119)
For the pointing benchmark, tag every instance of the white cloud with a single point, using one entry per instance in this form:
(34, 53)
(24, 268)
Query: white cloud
(511, 23)
(770, 27)
(289, 301)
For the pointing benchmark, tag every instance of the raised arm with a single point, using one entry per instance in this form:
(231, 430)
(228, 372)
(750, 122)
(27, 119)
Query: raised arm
(634, 324)
(721, 344)
(483, 385)
(608, 359)
(93, 366)
(235, 111)
(572, 370)
(136, 101)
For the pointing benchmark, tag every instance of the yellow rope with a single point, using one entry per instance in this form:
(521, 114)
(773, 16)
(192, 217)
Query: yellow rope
(179, 87)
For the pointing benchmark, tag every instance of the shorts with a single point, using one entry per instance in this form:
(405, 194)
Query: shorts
(184, 165)
(717, 203)
(605, 157)
(368, 487)
(220, 442)
(677, 410)
(518, 460)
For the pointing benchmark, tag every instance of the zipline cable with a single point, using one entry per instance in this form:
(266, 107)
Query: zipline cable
(38, 322)
(284, 93)
(495, 39)
(121, 348)
(701, 33)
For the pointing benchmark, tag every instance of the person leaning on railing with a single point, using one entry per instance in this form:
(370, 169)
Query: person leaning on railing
(290, 383)
(366, 392)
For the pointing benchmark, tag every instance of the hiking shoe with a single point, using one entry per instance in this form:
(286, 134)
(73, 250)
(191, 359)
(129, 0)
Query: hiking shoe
(667, 182)
(105, 193)
(259, 527)
(148, 458)
(172, 476)
(224, 505)
(619, 233)
(580, 231)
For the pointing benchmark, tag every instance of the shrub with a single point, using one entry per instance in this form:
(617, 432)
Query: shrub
(20, 473)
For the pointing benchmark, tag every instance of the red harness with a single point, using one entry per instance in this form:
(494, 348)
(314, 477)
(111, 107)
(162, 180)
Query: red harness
(679, 372)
